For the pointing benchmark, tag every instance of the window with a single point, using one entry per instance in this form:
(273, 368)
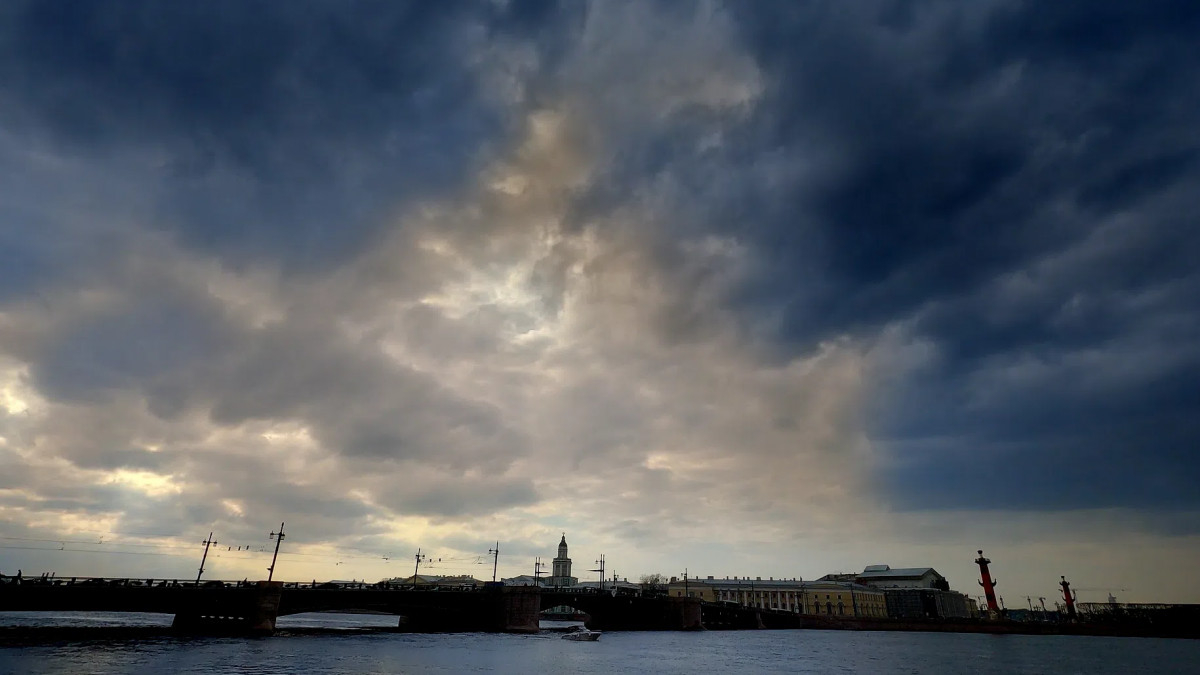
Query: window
(829, 608)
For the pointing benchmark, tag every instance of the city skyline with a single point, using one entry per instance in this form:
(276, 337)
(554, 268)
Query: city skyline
(765, 289)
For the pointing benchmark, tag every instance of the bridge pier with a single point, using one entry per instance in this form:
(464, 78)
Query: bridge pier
(511, 609)
(243, 611)
(615, 611)
(685, 613)
(520, 609)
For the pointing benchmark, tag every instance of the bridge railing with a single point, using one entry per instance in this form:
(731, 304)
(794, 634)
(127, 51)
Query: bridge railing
(155, 582)
(124, 582)
(151, 582)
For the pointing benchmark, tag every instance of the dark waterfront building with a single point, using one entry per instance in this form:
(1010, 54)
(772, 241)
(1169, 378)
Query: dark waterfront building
(912, 592)
(926, 603)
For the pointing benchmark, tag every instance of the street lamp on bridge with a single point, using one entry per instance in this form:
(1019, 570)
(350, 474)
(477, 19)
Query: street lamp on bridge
(207, 542)
(278, 537)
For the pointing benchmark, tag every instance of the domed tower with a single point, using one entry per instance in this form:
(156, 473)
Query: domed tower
(561, 569)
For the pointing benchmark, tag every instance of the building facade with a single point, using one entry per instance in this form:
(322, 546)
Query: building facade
(524, 580)
(834, 598)
(624, 586)
(437, 581)
(927, 603)
(912, 592)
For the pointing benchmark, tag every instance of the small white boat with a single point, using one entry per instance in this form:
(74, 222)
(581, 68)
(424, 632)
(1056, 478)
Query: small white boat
(582, 635)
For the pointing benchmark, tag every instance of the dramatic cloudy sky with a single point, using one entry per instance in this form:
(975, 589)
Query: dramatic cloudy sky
(747, 288)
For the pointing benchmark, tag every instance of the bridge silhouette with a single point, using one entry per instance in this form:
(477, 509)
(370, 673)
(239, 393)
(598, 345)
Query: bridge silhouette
(253, 607)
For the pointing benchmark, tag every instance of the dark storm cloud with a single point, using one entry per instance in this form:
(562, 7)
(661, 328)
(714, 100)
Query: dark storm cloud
(264, 130)
(260, 134)
(1011, 182)
(325, 323)
(1016, 180)
(26, 261)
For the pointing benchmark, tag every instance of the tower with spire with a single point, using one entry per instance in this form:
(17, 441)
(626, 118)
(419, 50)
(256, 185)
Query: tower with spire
(561, 567)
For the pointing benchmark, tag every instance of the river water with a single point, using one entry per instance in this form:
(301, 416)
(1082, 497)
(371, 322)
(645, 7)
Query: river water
(336, 644)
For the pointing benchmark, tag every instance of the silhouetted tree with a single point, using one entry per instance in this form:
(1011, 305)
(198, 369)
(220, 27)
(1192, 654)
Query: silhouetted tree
(653, 583)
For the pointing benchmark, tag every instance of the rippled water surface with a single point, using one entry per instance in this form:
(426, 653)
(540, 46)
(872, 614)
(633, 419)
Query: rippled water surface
(341, 649)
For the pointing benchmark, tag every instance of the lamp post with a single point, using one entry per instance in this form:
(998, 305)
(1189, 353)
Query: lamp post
(207, 542)
(495, 560)
(600, 569)
(278, 537)
(417, 567)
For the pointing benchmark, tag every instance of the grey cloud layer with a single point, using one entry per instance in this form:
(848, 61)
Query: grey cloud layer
(1008, 183)
(365, 262)
(256, 131)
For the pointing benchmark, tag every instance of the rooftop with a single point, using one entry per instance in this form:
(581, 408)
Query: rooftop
(757, 583)
(875, 572)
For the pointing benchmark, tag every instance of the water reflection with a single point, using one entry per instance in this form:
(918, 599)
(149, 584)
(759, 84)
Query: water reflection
(341, 649)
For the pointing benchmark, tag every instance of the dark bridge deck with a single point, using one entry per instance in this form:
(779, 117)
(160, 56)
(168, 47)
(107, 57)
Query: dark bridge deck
(255, 606)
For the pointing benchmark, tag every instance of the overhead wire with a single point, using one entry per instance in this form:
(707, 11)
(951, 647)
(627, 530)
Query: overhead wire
(456, 563)
(261, 548)
(83, 542)
(86, 550)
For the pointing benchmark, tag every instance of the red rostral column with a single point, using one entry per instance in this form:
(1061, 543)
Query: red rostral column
(1067, 597)
(989, 584)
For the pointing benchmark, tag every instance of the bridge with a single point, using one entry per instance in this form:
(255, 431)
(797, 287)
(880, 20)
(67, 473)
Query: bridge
(253, 607)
